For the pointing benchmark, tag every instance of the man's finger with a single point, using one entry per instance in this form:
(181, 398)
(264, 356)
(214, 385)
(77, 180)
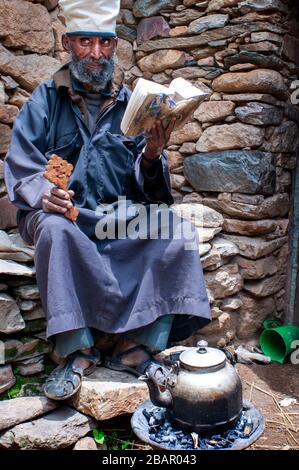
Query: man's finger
(50, 207)
(60, 193)
(60, 202)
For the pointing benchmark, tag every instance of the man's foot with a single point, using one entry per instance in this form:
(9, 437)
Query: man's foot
(66, 379)
(130, 357)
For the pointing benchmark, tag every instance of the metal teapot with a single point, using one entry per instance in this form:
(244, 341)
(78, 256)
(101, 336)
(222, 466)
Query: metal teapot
(202, 391)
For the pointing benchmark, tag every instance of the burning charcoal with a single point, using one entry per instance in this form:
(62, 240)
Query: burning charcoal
(146, 414)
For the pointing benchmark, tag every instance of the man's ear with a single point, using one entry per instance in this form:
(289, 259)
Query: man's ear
(65, 43)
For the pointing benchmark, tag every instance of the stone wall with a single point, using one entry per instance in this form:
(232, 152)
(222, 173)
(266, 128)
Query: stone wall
(231, 165)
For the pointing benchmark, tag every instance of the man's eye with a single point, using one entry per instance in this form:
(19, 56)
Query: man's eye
(105, 42)
(85, 42)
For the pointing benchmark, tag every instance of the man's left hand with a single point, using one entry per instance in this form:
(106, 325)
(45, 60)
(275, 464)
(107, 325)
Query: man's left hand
(158, 138)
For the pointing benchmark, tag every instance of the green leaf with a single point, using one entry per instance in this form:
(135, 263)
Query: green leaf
(99, 436)
(124, 445)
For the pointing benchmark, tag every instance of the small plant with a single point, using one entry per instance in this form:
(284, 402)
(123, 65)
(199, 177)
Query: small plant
(112, 439)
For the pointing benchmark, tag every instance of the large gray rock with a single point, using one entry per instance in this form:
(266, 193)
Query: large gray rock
(255, 58)
(222, 251)
(11, 319)
(255, 81)
(230, 136)
(25, 348)
(252, 313)
(162, 60)
(149, 28)
(28, 292)
(273, 206)
(14, 248)
(259, 114)
(207, 22)
(249, 227)
(210, 36)
(212, 111)
(189, 132)
(59, 429)
(255, 247)
(231, 171)
(220, 331)
(185, 17)
(265, 287)
(225, 281)
(283, 139)
(198, 214)
(106, 393)
(22, 409)
(206, 234)
(146, 8)
(15, 269)
(216, 5)
(26, 26)
(262, 5)
(28, 70)
(7, 378)
(257, 268)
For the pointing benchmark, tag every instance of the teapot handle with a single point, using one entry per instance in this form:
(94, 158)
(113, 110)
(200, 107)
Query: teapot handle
(230, 356)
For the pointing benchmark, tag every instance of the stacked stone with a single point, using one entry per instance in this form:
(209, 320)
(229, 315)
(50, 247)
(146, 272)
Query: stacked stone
(30, 52)
(231, 165)
(237, 153)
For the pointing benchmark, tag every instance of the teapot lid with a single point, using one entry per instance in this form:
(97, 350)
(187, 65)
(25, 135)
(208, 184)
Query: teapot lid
(202, 356)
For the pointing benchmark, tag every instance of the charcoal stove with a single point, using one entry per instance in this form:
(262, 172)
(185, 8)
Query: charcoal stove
(153, 425)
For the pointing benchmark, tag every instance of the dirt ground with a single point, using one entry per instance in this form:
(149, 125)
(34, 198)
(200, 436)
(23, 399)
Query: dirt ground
(266, 386)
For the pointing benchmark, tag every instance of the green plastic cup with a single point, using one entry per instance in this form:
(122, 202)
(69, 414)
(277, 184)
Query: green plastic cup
(276, 340)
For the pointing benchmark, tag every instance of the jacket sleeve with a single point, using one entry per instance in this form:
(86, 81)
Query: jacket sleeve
(155, 188)
(25, 161)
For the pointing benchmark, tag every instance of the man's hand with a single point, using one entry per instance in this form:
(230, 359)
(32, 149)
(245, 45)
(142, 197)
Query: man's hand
(158, 138)
(57, 200)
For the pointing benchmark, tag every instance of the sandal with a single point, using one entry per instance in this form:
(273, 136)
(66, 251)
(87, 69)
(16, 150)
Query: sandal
(65, 381)
(114, 362)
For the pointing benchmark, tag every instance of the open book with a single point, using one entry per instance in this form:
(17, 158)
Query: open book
(151, 101)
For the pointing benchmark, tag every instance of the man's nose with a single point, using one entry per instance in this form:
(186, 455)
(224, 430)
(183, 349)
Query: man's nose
(96, 51)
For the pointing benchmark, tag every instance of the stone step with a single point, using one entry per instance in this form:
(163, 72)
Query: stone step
(106, 393)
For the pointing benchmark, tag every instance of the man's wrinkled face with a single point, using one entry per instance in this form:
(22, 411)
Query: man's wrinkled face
(93, 59)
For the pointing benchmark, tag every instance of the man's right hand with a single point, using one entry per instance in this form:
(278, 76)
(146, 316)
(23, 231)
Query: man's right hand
(57, 200)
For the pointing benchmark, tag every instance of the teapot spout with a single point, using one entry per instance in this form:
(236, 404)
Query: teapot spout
(156, 378)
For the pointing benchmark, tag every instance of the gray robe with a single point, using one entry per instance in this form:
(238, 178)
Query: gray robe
(113, 285)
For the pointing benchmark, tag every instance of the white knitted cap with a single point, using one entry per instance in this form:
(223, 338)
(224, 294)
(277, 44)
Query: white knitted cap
(90, 17)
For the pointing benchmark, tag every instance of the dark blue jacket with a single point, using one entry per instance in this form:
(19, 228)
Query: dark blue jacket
(106, 163)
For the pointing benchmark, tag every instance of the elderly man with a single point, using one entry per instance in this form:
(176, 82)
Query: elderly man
(126, 285)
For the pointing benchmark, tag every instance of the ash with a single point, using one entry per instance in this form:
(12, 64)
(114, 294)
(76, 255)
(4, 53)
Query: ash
(162, 431)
